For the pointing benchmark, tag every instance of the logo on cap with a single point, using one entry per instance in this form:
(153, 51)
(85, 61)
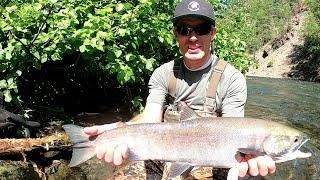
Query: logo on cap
(193, 6)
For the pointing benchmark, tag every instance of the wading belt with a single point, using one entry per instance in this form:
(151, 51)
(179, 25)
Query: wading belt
(210, 99)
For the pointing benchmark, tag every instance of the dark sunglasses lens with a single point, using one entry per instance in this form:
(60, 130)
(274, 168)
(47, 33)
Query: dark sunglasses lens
(203, 29)
(184, 30)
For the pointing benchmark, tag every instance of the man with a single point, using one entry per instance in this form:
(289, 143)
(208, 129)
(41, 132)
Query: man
(200, 79)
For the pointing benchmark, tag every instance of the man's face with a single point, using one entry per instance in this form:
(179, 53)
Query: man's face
(192, 45)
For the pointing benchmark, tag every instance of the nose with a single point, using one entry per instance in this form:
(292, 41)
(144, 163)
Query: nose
(193, 37)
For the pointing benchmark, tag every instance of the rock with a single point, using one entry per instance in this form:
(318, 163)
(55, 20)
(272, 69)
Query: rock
(17, 170)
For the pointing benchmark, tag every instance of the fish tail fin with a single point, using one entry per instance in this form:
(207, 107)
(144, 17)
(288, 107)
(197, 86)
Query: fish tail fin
(83, 149)
(76, 133)
(81, 153)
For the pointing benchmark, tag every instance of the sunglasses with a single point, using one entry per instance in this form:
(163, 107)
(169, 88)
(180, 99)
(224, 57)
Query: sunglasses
(200, 30)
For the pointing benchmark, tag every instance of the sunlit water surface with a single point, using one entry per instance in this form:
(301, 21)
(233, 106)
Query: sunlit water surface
(295, 103)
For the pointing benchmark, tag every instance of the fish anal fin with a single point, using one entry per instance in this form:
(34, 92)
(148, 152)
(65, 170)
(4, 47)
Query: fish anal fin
(187, 113)
(179, 169)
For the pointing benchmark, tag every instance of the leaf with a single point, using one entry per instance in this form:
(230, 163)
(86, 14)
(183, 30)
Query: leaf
(128, 56)
(122, 32)
(144, 1)
(82, 48)
(11, 84)
(7, 96)
(161, 39)
(37, 55)
(119, 7)
(24, 41)
(118, 53)
(8, 55)
(134, 45)
(3, 84)
(11, 8)
(100, 47)
(44, 58)
(19, 73)
(56, 56)
(149, 64)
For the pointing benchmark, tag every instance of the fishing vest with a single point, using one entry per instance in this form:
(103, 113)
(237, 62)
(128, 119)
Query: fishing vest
(172, 112)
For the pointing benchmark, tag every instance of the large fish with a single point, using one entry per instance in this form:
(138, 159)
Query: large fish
(196, 141)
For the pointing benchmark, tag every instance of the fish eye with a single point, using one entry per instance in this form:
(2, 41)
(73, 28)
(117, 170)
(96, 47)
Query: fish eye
(296, 139)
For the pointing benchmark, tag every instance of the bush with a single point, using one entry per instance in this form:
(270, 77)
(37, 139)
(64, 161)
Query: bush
(312, 28)
(124, 39)
(260, 21)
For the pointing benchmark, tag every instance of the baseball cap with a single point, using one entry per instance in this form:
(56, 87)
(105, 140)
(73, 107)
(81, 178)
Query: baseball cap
(195, 8)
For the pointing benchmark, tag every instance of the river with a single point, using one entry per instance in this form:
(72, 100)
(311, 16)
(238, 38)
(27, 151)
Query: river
(295, 103)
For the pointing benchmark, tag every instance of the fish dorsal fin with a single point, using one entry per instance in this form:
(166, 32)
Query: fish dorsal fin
(187, 113)
(179, 169)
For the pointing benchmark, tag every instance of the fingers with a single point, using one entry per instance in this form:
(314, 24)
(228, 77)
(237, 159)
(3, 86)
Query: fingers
(92, 131)
(113, 153)
(253, 167)
(120, 154)
(243, 169)
(260, 165)
(271, 165)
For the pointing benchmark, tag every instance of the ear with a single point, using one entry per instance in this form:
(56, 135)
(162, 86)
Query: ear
(213, 33)
(174, 32)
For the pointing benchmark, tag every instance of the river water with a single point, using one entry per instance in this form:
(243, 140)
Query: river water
(295, 103)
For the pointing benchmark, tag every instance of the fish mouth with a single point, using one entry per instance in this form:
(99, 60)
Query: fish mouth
(298, 145)
(294, 153)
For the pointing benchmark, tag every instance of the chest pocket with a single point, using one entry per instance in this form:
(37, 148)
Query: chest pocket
(209, 105)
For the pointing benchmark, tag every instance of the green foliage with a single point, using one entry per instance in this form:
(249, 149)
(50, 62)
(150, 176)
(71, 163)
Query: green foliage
(117, 38)
(312, 28)
(124, 37)
(260, 21)
(231, 45)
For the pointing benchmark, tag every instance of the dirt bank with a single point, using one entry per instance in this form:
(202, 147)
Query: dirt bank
(275, 60)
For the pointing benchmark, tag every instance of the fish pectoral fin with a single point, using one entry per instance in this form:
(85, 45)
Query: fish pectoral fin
(250, 151)
(179, 169)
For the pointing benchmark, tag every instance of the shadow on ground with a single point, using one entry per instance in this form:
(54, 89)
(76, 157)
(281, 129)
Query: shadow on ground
(307, 62)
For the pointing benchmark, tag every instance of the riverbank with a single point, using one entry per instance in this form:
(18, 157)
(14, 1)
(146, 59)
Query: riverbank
(276, 60)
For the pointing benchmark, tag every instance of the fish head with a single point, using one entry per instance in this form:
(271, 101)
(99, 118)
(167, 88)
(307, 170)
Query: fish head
(283, 140)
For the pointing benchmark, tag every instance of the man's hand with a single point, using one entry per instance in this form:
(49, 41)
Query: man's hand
(109, 152)
(256, 165)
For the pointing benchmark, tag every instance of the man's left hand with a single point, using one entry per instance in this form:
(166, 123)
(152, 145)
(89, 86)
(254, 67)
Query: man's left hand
(256, 165)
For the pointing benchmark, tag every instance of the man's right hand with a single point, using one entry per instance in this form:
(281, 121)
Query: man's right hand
(109, 152)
